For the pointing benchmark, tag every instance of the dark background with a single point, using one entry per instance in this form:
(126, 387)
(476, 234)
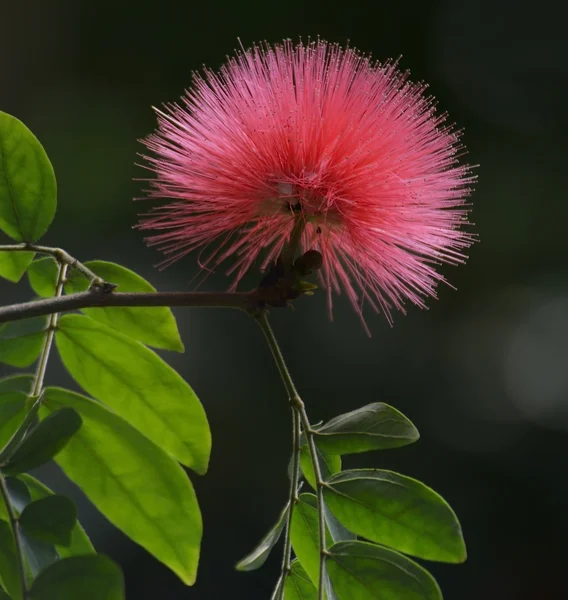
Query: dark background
(483, 373)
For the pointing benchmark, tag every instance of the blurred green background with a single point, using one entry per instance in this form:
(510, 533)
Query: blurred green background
(483, 373)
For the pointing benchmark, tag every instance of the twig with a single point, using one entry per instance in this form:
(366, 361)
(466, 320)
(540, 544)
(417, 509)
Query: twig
(98, 298)
(301, 415)
(60, 255)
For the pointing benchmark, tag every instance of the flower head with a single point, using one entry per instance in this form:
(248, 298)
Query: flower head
(321, 135)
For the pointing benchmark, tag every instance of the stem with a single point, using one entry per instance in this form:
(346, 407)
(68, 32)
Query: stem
(293, 493)
(61, 256)
(95, 297)
(16, 532)
(50, 333)
(301, 416)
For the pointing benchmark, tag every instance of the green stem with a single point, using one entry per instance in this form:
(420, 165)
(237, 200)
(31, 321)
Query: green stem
(16, 533)
(50, 333)
(301, 417)
(60, 255)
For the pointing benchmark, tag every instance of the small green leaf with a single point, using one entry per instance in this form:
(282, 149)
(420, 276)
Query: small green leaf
(258, 556)
(42, 275)
(94, 577)
(134, 483)
(44, 441)
(376, 426)
(304, 534)
(363, 571)
(21, 341)
(329, 464)
(28, 190)
(396, 511)
(14, 264)
(50, 519)
(3, 594)
(298, 585)
(80, 543)
(16, 440)
(155, 326)
(12, 414)
(9, 570)
(138, 385)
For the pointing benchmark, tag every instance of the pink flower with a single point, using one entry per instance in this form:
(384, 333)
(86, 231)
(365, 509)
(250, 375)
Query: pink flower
(326, 135)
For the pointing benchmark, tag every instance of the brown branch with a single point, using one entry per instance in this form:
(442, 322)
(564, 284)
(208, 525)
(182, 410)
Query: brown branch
(96, 297)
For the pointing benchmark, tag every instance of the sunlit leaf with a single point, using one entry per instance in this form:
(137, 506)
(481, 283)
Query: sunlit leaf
(376, 426)
(21, 341)
(396, 511)
(154, 326)
(363, 571)
(298, 585)
(42, 275)
(28, 190)
(138, 385)
(14, 264)
(135, 484)
(94, 577)
(44, 441)
(258, 556)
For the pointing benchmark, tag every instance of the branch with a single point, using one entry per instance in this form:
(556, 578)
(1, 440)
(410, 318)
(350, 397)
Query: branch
(98, 298)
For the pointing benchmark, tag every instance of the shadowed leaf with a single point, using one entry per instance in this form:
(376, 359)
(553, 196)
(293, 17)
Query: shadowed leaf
(396, 511)
(258, 556)
(363, 571)
(376, 426)
(94, 577)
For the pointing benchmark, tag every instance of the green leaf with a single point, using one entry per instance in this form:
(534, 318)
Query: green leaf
(363, 571)
(44, 441)
(12, 414)
(17, 383)
(3, 594)
(304, 534)
(50, 519)
(376, 426)
(38, 554)
(94, 577)
(21, 341)
(134, 483)
(138, 385)
(298, 585)
(258, 556)
(396, 511)
(80, 543)
(16, 440)
(328, 463)
(9, 570)
(28, 190)
(42, 275)
(14, 264)
(154, 326)
(13, 405)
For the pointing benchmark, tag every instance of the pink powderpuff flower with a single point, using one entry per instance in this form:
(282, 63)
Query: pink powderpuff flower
(318, 133)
